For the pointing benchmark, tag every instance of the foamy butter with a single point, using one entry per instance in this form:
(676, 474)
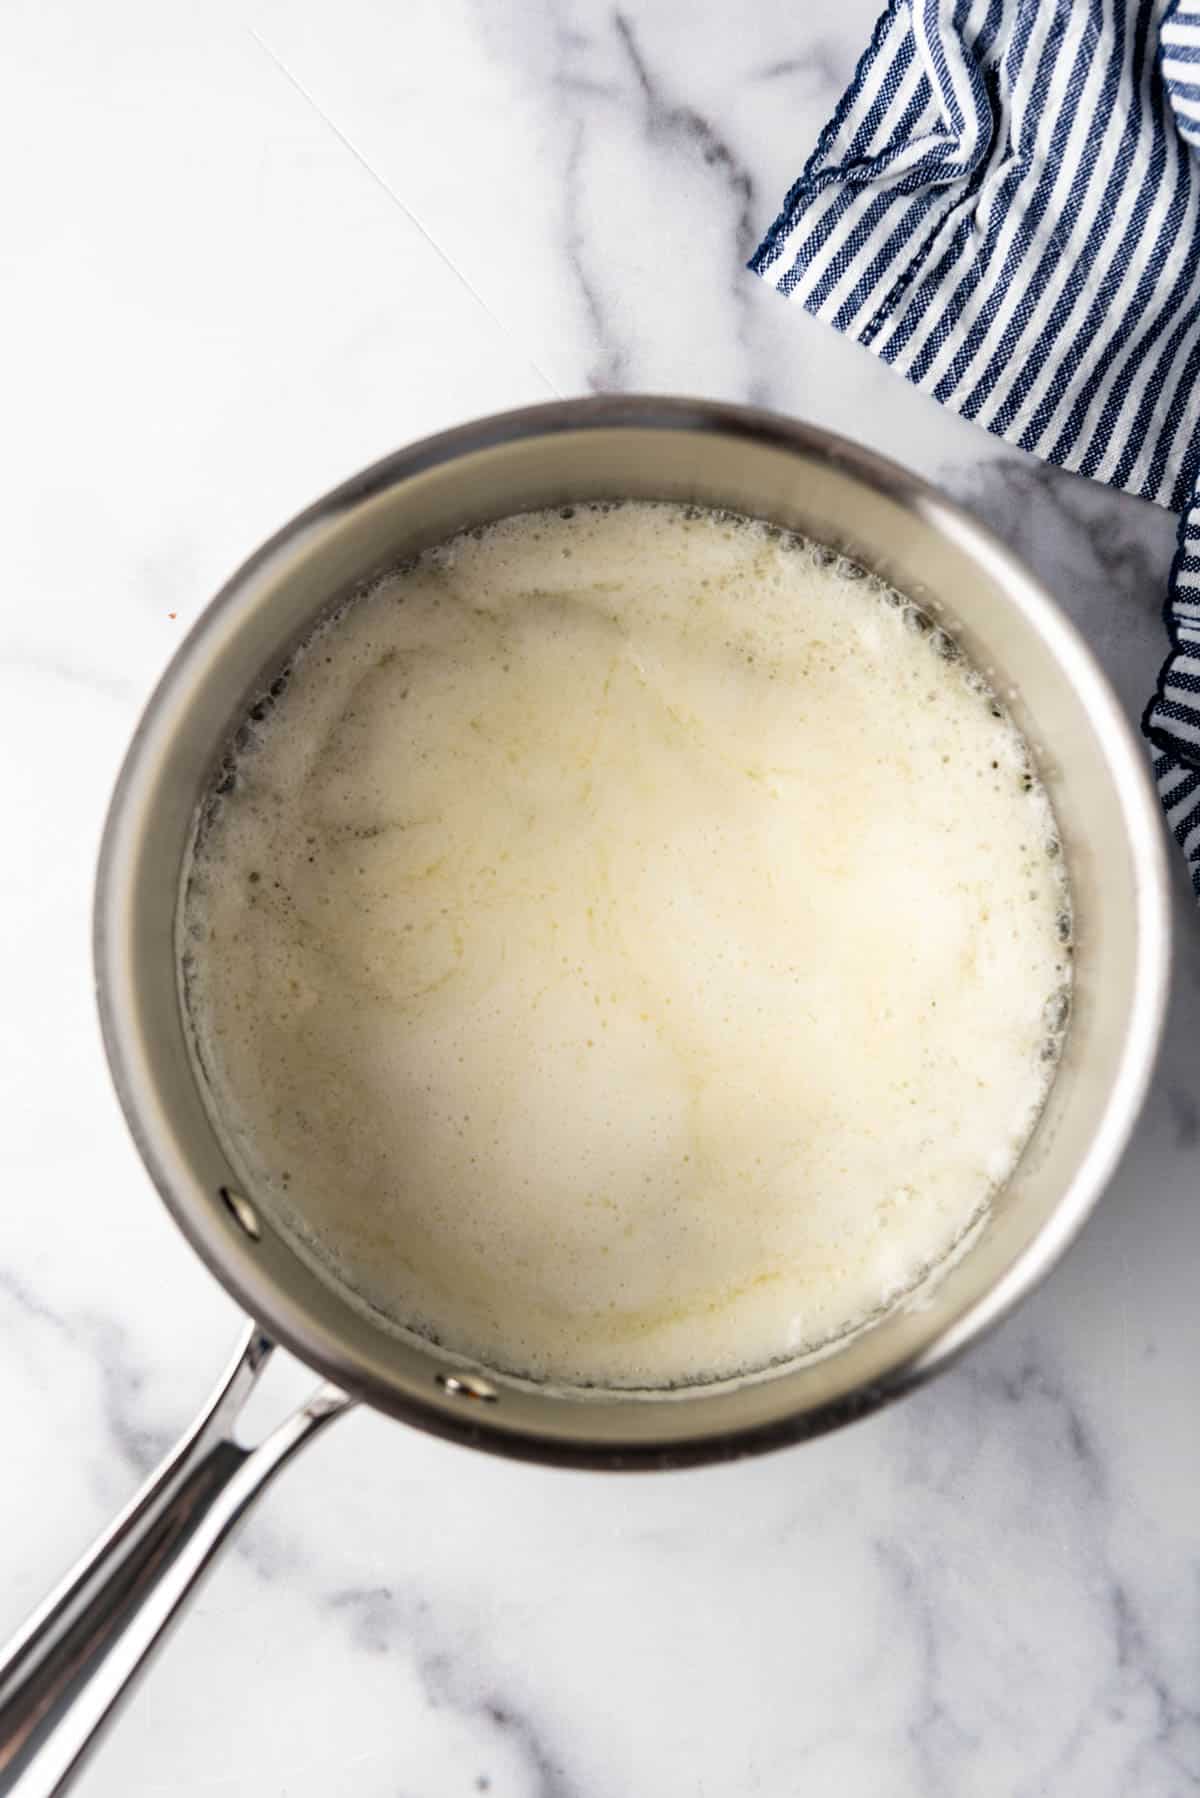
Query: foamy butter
(633, 948)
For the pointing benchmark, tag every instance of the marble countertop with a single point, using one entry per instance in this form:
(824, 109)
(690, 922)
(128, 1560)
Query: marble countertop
(247, 248)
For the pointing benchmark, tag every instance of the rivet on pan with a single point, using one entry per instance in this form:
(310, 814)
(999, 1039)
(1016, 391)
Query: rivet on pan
(242, 1211)
(467, 1385)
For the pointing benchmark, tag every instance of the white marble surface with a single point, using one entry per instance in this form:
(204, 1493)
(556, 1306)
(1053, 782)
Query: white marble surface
(247, 247)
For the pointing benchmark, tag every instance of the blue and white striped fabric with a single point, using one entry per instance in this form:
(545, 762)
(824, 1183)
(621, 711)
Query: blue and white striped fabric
(1006, 208)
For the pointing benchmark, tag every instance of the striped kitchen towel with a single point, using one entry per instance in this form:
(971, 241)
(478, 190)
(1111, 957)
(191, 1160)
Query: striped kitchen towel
(1006, 207)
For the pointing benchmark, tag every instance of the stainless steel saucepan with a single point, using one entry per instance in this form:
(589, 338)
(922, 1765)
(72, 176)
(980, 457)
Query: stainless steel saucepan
(71, 1663)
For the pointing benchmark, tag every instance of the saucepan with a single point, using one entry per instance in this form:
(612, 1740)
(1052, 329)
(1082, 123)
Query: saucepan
(76, 1656)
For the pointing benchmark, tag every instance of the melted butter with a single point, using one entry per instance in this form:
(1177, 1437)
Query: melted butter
(625, 952)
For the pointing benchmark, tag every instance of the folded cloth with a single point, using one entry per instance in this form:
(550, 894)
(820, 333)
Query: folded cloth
(1006, 208)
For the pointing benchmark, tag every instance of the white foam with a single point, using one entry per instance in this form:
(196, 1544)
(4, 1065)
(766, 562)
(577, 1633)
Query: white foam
(624, 954)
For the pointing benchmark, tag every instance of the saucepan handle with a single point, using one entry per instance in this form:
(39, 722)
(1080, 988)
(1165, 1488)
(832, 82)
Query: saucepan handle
(62, 1675)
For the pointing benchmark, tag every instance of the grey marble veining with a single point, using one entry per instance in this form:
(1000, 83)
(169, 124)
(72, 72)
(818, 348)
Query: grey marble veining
(259, 245)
